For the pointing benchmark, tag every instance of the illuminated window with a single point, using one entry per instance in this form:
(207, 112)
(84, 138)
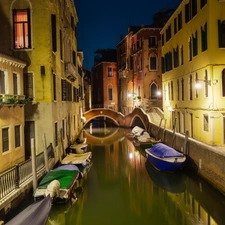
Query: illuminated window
(21, 28)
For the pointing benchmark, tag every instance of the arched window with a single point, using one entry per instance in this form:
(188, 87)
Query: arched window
(153, 91)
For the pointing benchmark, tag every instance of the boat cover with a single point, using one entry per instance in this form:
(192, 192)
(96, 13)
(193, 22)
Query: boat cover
(77, 158)
(163, 151)
(67, 167)
(65, 178)
(35, 214)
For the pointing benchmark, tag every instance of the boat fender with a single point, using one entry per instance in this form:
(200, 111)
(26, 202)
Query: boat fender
(53, 189)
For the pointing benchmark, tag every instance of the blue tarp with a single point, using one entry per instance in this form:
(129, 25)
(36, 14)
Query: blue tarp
(163, 151)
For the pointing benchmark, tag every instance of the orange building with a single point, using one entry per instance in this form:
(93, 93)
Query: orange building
(104, 80)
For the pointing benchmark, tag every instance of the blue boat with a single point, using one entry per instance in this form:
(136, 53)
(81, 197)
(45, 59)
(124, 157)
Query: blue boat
(165, 158)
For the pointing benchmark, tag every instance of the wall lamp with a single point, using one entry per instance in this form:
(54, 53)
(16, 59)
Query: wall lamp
(209, 82)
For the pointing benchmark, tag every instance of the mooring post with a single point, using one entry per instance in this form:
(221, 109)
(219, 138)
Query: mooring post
(34, 170)
(45, 153)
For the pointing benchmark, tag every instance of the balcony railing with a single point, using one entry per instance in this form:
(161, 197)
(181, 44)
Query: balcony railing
(70, 71)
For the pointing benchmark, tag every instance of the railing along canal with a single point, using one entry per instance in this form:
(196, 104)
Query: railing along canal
(16, 176)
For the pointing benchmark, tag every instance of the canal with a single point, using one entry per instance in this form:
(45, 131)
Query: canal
(122, 188)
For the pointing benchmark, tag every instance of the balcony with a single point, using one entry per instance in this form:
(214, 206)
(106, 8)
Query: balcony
(7, 99)
(70, 71)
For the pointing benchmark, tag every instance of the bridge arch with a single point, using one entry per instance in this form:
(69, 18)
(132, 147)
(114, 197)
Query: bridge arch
(137, 117)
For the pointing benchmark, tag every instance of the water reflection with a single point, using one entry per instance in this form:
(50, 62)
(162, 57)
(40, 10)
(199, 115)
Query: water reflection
(121, 188)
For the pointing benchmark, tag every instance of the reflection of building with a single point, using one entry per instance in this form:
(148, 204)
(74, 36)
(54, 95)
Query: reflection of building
(104, 80)
(139, 65)
(48, 46)
(192, 55)
(12, 102)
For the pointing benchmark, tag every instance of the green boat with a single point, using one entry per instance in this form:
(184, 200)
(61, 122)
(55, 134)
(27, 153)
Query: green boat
(59, 184)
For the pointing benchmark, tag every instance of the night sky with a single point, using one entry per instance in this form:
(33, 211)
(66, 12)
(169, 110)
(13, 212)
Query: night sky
(101, 22)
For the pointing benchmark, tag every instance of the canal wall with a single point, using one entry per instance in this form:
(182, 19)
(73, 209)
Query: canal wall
(205, 160)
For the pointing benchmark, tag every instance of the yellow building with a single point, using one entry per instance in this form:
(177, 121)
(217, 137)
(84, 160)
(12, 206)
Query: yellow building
(11, 111)
(193, 59)
(43, 34)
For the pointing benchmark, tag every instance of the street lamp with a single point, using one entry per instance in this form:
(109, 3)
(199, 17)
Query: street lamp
(208, 82)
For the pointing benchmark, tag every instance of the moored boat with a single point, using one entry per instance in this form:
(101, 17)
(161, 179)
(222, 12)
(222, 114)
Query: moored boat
(165, 158)
(36, 214)
(145, 141)
(59, 183)
(78, 159)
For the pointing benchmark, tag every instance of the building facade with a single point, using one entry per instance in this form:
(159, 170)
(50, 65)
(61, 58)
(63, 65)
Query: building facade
(12, 101)
(43, 35)
(104, 80)
(193, 42)
(139, 65)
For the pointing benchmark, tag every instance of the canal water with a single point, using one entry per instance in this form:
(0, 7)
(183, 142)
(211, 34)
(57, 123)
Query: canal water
(122, 188)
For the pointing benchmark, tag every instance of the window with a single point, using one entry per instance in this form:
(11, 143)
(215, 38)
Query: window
(190, 49)
(110, 95)
(28, 85)
(181, 55)
(190, 10)
(110, 71)
(168, 33)
(206, 122)
(152, 42)
(206, 84)
(21, 29)
(54, 39)
(196, 89)
(63, 129)
(203, 3)
(5, 139)
(175, 58)
(178, 90)
(74, 58)
(140, 63)
(190, 88)
(2, 82)
(182, 89)
(56, 134)
(171, 84)
(153, 89)
(175, 25)
(223, 83)
(152, 62)
(221, 33)
(54, 86)
(180, 21)
(204, 37)
(195, 43)
(17, 136)
(15, 84)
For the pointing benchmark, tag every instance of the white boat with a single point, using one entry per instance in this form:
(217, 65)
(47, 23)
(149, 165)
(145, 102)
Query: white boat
(78, 159)
(79, 148)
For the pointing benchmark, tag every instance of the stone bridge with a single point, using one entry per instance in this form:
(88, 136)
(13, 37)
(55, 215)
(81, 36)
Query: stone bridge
(137, 118)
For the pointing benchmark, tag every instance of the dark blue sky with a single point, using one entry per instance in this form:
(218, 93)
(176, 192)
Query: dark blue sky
(101, 22)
